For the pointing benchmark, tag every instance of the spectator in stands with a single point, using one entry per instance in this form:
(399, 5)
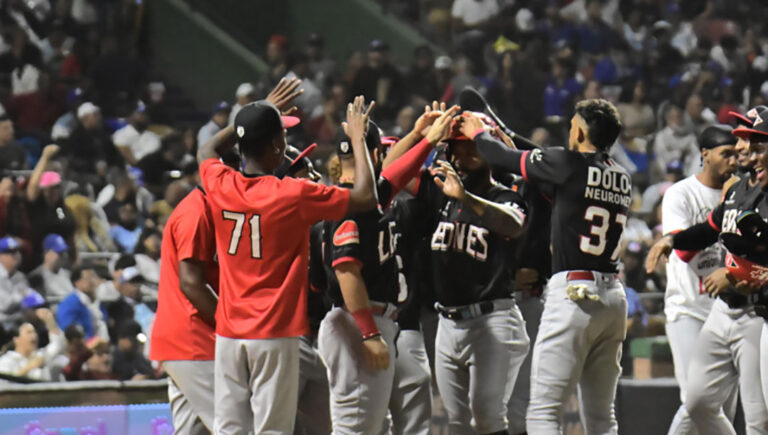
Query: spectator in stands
(219, 119)
(697, 116)
(311, 100)
(56, 46)
(472, 14)
(67, 122)
(129, 360)
(325, 127)
(379, 80)
(123, 188)
(245, 93)
(89, 149)
(147, 254)
(134, 141)
(81, 306)
(116, 75)
(156, 166)
(22, 52)
(637, 117)
(91, 225)
(54, 274)
(421, 78)
(126, 232)
(93, 361)
(675, 143)
(47, 211)
(25, 360)
(13, 283)
(14, 219)
(12, 156)
(275, 54)
(321, 67)
(159, 109)
(35, 112)
(562, 88)
(594, 35)
(107, 290)
(129, 307)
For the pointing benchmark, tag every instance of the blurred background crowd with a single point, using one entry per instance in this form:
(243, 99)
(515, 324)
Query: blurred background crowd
(96, 148)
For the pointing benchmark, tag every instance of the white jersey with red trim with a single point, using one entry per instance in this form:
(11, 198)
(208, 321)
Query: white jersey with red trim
(686, 203)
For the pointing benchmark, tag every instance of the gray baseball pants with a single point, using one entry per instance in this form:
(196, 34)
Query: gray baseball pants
(531, 308)
(190, 394)
(314, 414)
(410, 404)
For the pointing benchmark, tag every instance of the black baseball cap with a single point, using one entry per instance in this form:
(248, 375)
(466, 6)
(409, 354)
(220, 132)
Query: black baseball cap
(372, 140)
(296, 160)
(715, 136)
(257, 123)
(759, 128)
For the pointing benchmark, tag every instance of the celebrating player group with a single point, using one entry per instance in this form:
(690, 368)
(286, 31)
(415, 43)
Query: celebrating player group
(288, 306)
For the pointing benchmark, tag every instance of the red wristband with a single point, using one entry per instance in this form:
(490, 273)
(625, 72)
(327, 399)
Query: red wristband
(365, 323)
(480, 130)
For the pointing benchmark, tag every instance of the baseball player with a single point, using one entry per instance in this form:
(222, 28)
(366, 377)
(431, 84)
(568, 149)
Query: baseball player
(686, 304)
(725, 354)
(481, 339)
(356, 336)
(262, 242)
(183, 333)
(585, 307)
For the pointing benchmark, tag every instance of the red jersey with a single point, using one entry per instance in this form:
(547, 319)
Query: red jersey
(178, 332)
(262, 239)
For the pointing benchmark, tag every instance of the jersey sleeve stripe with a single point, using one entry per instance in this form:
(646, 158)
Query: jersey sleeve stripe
(712, 223)
(343, 260)
(523, 171)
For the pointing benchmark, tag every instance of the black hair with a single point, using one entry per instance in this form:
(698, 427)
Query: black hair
(4, 117)
(77, 272)
(74, 331)
(173, 139)
(603, 123)
(125, 261)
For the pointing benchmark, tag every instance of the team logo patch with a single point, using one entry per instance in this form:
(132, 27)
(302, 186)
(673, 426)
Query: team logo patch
(240, 131)
(758, 120)
(344, 147)
(536, 155)
(346, 234)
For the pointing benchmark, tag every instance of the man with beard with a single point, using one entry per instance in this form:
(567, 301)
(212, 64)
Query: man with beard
(726, 353)
(686, 203)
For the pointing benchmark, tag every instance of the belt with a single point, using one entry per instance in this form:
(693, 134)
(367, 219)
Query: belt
(466, 312)
(738, 300)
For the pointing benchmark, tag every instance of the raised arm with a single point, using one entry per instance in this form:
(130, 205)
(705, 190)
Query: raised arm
(503, 219)
(362, 196)
(419, 132)
(33, 187)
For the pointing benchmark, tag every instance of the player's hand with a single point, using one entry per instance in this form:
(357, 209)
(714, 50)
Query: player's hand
(376, 353)
(452, 186)
(718, 281)
(526, 278)
(49, 151)
(357, 118)
(661, 249)
(470, 124)
(284, 93)
(45, 315)
(441, 127)
(425, 121)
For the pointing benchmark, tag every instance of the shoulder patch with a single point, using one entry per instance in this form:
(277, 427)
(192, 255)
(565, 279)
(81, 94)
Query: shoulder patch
(346, 234)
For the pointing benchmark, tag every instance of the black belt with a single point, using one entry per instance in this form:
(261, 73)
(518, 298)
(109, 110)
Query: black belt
(467, 311)
(738, 300)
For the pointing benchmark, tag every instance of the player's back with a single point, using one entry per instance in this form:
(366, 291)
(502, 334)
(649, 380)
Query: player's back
(589, 213)
(262, 240)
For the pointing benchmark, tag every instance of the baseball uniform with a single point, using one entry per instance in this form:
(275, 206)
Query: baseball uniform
(584, 320)
(359, 395)
(180, 338)
(686, 304)
(410, 404)
(726, 353)
(262, 240)
(481, 340)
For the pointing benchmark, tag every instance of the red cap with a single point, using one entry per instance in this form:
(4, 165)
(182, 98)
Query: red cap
(745, 270)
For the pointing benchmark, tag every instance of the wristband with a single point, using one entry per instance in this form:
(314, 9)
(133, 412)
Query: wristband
(365, 323)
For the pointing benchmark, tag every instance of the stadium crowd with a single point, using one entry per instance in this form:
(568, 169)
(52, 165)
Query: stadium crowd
(94, 159)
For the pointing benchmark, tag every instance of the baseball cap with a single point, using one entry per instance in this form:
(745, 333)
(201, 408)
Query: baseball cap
(372, 140)
(50, 178)
(32, 300)
(759, 116)
(9, 244)
(221, 106)
(715, 136)
(388, 141)
(256, 123)
(290, 121)
(296, 160)
(86, 109)
(54, 242)
(131, 274)
(245, 89)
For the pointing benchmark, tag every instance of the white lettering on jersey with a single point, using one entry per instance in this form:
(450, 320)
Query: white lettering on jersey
(386, 249)
(461, 237)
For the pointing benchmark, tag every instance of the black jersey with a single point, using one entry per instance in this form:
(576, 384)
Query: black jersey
(470, 263)
(591, 196)
(367, 239)
(408, 214)
(317, 302)
(740, 197)
(533, 251)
